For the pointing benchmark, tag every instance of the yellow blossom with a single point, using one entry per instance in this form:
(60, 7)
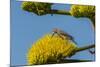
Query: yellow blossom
(49, 49)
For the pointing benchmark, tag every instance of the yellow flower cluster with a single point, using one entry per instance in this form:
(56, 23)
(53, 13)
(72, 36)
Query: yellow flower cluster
(49, 49)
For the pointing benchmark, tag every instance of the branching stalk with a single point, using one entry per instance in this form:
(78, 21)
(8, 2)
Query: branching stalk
(85, 48)
(61, 12)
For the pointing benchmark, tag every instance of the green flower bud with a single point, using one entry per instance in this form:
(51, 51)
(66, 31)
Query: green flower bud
(82, 11)
(36, 7)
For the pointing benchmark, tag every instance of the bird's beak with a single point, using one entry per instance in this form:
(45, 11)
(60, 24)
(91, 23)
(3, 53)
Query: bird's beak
(53, 33)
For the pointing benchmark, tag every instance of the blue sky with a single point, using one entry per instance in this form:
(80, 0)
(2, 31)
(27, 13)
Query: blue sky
(26, 28)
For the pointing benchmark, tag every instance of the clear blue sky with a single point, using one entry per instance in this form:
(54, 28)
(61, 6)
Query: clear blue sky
(26, 28)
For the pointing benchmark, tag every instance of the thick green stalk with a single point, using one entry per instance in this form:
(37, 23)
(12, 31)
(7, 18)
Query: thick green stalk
(93, 21)
(85, 48)
(73, 60)
(61, 12)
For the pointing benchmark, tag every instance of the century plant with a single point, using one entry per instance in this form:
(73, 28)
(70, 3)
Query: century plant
(48, 49)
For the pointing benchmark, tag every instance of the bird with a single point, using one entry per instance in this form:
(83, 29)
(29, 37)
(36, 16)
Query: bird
(63, 34)
(92, 52)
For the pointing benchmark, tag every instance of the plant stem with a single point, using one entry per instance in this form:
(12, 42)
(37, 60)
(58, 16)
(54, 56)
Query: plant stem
(61, 12)
(93, 21)
(73, 60)
(85, 48)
